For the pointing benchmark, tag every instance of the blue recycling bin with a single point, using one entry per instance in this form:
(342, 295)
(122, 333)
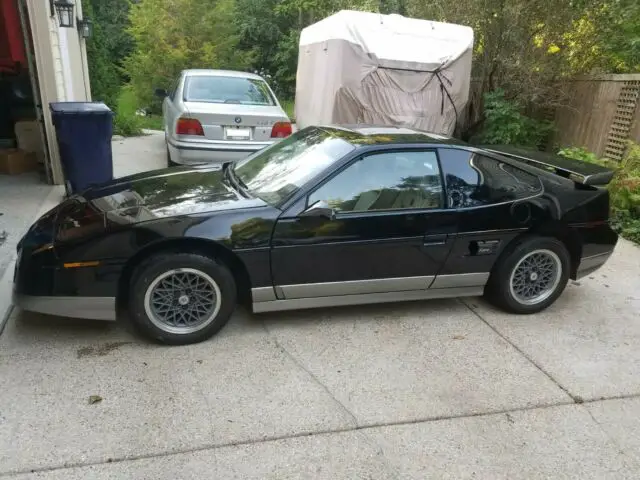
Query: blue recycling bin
(84, 131)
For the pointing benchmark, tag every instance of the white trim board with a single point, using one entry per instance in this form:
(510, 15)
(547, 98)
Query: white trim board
(63, 44)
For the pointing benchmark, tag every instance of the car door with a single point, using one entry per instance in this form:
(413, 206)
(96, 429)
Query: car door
(381, 226)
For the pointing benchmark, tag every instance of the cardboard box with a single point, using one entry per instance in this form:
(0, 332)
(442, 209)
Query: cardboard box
(14, 161)
(28, 136)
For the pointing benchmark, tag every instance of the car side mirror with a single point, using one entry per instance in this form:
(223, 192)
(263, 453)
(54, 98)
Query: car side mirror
(161, 92)
(319, 209)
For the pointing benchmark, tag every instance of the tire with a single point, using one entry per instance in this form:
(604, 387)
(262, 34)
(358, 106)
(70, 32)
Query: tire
(530, 275)
(181, 317)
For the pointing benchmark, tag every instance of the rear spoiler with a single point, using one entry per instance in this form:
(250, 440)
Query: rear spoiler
(580, 172)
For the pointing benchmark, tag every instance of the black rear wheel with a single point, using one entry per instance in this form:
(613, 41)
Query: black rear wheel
(530, 276)
(181, 298)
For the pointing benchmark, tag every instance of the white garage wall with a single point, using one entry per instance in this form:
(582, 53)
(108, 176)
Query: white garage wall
(60, 55)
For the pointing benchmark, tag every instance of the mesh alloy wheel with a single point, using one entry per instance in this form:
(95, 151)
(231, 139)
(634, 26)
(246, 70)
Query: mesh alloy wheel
(182, 300)
(535, 277)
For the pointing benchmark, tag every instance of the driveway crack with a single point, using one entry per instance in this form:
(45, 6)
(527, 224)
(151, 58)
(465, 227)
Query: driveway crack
(275, 438)
(575, 398)
(300, 365)
(610, 438)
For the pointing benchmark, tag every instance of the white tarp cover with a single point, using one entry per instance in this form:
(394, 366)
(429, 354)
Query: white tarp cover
(361, 67)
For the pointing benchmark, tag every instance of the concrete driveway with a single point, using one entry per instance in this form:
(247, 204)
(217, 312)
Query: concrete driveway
(436, 389)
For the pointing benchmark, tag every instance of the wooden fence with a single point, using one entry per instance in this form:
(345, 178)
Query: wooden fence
(601, 115)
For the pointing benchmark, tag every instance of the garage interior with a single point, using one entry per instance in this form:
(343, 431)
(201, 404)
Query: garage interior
(25, 175)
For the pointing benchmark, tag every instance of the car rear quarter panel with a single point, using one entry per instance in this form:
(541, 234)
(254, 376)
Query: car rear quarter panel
(483, 234)
(585, 211)
(574, 213)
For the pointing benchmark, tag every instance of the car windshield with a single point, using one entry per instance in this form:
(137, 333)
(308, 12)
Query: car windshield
(280, 170)
(220, 89)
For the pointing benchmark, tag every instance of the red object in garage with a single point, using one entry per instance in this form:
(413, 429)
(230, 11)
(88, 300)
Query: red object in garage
(12, 52)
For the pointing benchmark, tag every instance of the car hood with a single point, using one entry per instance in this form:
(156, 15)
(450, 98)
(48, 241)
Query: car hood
(167, 193)
(135, 199)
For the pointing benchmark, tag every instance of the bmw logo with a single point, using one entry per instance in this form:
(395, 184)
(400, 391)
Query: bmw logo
(238, 120)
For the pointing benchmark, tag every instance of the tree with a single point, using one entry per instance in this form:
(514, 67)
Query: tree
(519, 44)
(106, 48)
(523, 47)
(606, 38)
(393, 6)
(173, 35)
(260, 30)
(113, 18)
(270, 31)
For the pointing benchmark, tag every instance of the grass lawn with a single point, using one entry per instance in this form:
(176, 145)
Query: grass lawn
(151, 122)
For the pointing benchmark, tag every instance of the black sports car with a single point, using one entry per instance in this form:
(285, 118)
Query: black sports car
(329, 216)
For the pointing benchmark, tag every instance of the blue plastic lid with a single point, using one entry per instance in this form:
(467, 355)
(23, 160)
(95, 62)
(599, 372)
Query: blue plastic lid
(79, 107)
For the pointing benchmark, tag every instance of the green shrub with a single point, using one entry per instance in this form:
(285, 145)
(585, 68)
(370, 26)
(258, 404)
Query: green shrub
(579, 153)
(504, 124)
(624, 188)
(627, 226)
(626, 185)
(126, 125)
(126, 122)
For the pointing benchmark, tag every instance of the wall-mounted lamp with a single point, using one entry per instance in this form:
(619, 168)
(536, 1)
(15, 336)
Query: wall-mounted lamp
(85, 27)
(64, 8)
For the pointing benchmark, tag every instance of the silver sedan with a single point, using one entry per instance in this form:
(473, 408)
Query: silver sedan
(215, 116)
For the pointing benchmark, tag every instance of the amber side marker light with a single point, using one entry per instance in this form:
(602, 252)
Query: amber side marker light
(81, 264)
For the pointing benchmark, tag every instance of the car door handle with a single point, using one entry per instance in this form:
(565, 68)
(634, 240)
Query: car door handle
(434, 240)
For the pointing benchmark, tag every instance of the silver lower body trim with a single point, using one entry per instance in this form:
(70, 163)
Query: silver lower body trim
(591, 263)
(367, 298)
(461, 280)
(356, 287)
(263, 294)
(92, 308)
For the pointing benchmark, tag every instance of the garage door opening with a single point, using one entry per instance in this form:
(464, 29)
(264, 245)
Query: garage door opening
(23, 149)
(25, 175)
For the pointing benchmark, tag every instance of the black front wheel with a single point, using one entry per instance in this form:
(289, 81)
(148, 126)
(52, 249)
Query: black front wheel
(530, 276)
(181, 298)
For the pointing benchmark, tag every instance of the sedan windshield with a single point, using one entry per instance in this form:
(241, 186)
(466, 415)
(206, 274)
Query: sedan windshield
(280, 170)
(219, 89)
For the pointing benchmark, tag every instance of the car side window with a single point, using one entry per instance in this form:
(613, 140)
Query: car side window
(385, 181)
(475, 180)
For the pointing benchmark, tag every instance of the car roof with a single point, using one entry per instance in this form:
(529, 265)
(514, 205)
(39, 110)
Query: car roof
(385, 134)
(221, 73)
